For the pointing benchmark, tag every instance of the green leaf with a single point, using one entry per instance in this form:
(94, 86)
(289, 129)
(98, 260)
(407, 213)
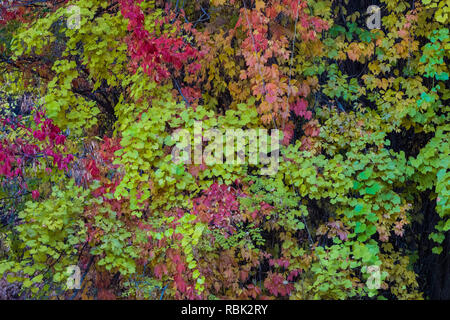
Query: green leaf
(437, 250)
(38, 278)
(365, 174)
(360, 227)
(195, 274)
(371, 230)
(373, 189)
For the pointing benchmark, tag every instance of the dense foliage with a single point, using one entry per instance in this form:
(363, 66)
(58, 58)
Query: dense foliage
(92, 92)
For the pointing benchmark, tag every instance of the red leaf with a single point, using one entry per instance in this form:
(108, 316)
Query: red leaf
(35, 194)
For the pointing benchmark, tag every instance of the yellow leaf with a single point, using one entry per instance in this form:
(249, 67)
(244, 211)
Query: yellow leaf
(259, 5)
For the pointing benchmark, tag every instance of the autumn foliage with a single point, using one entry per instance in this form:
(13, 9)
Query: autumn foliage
(93, 91)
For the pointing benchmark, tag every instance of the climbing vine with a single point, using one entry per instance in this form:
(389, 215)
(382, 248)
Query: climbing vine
(90, 114)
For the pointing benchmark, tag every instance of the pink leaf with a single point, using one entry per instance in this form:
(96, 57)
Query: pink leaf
(35, 194)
